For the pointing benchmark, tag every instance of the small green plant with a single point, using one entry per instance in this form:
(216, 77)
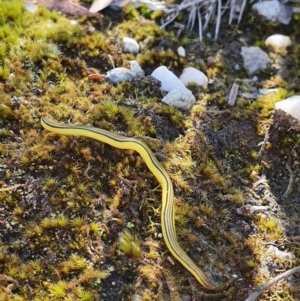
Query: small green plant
(25, 160)
(129, 245)
(50, 184)
(250, 263)
(254, 154)
(57, 290)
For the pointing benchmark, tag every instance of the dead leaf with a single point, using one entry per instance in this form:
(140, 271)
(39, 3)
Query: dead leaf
(96, 77)
(68, 7)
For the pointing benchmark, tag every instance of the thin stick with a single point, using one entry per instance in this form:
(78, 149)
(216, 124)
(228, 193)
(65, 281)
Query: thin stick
(242, 11)
(13, 187)
(289, 188)
(218, 22)
(261, 288)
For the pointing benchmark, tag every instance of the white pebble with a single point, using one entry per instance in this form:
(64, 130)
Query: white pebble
(167, 78)
(136, 69)
(181, 51)
(236, 67)
(98, 5)
(130, 45)
(192, 75)
(290, 106)
(278, 42)
(31, 7)
(208, 35)
(274, 11)
(180, 97)
(118, 75)
(267, 9)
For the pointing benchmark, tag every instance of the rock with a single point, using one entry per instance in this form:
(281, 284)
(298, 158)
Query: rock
(98, 5)
(290, 106)
(118, 75)
(31, 7)
(119, 4)
(274, 11)
(267, 91)
(255, 59)
(275, 252)
(167, 78)
(181, 51)
(236, 67)
(90, 29)
(192, 75)
(136, 69)
(130, 45)
(210, 61)
(278, 42)
(180, 97)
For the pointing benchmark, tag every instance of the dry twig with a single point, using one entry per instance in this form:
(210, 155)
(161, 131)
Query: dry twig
(261, 288)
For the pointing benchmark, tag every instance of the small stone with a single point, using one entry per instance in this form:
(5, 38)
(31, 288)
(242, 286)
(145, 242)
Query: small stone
(31, 7)
(118, 75)
(181, 51)
(167, 78)
(274, 251)
(118, 4)
(130, 45)
(136, 298)
(236, 67)
(136, 69)
(274, 11)
(290, 106)
(192, 75)
(98, 5)
(180, 97)
(278, 42)
(267, 91)
(90, 29)
(210, 61)
(255, 59)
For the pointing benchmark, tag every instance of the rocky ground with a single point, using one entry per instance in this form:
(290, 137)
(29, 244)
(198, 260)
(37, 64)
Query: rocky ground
(80, 220)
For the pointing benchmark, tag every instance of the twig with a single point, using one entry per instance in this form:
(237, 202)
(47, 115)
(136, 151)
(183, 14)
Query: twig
(218, 21)
(112, 61)
(264, 143)
(233, 94)
(289, 188)
(261, 288)
(13, 187)
(242, 11)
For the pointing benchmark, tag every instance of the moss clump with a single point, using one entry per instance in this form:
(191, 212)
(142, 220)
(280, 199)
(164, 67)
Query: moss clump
(129, 245)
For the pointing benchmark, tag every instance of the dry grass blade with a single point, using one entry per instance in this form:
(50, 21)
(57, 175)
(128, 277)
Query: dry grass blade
(208, 10)
(261, 288)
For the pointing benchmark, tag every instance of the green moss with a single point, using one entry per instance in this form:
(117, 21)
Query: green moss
(129, 245)
(145, 11)
(131, 13)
